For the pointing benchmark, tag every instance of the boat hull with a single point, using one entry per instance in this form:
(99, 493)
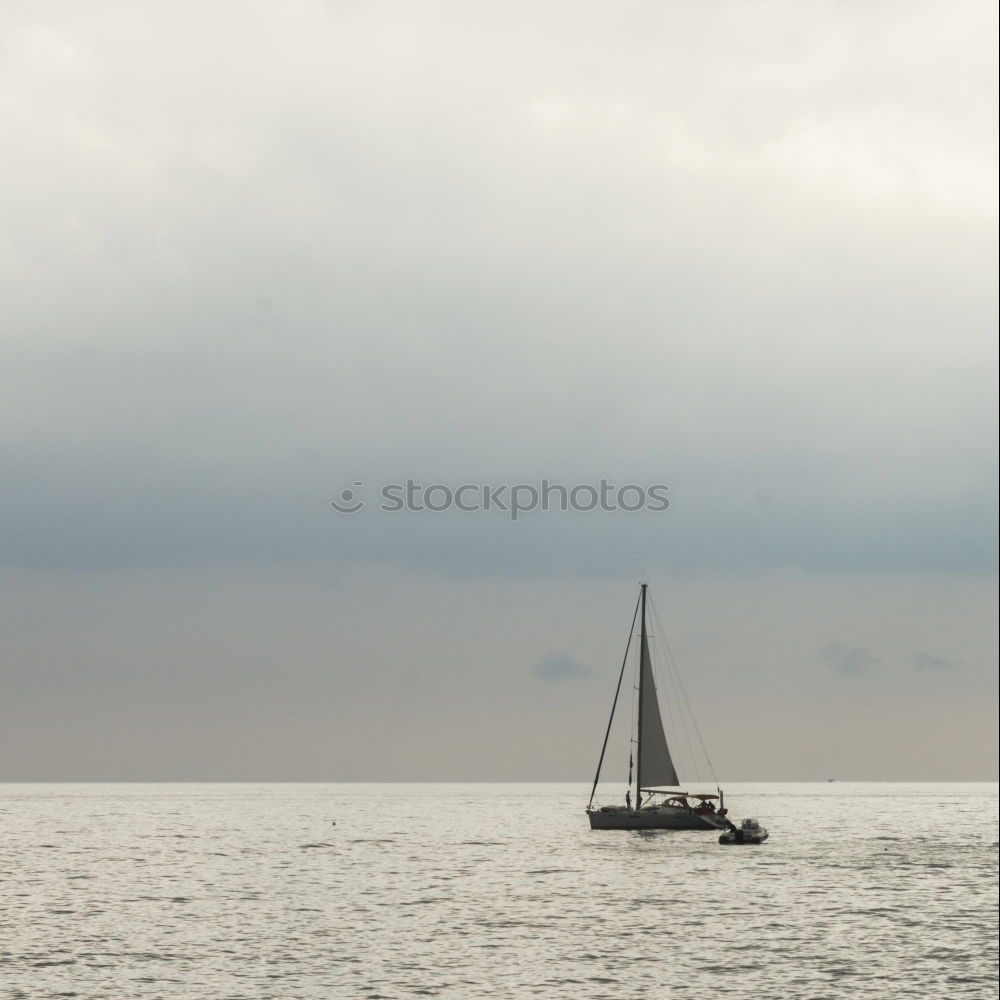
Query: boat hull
(738, 837)
(652, 819)
(748, 832)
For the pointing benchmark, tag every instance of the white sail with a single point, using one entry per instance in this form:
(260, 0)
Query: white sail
(654, 755)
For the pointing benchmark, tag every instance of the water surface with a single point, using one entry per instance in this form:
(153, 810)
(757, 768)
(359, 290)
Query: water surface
(465, 891)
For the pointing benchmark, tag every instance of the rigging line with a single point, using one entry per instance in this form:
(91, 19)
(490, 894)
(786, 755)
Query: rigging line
(694, 719)
(604, 745)
(675, 671)
(671, 671)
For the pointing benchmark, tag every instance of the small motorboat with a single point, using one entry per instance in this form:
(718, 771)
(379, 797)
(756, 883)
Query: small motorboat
(748, 832)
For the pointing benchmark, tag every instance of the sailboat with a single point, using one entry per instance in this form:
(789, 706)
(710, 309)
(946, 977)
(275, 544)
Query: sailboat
(659, 802)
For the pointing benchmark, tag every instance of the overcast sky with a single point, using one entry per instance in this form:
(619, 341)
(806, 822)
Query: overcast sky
(254, 255)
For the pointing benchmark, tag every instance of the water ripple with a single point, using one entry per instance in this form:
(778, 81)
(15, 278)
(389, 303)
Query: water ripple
(460, 892)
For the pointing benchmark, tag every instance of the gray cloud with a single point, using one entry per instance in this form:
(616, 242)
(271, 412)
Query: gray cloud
(558, 665)
(847, 659)
(260, 300)
(925, 661)
(748, 252)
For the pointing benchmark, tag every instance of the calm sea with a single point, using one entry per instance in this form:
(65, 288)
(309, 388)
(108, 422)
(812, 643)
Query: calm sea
(466, 891)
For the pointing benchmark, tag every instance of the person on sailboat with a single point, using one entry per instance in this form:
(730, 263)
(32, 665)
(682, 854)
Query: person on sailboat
(628, 800)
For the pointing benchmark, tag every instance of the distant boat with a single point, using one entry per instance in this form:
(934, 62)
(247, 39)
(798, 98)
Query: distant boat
(659, 802)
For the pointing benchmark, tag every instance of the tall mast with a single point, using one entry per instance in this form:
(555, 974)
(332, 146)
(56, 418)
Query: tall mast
(638, 726)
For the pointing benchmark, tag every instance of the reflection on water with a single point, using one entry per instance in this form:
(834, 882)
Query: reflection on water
(342, 891)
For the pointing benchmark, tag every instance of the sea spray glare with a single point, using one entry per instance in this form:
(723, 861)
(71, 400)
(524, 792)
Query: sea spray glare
(512, 499)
